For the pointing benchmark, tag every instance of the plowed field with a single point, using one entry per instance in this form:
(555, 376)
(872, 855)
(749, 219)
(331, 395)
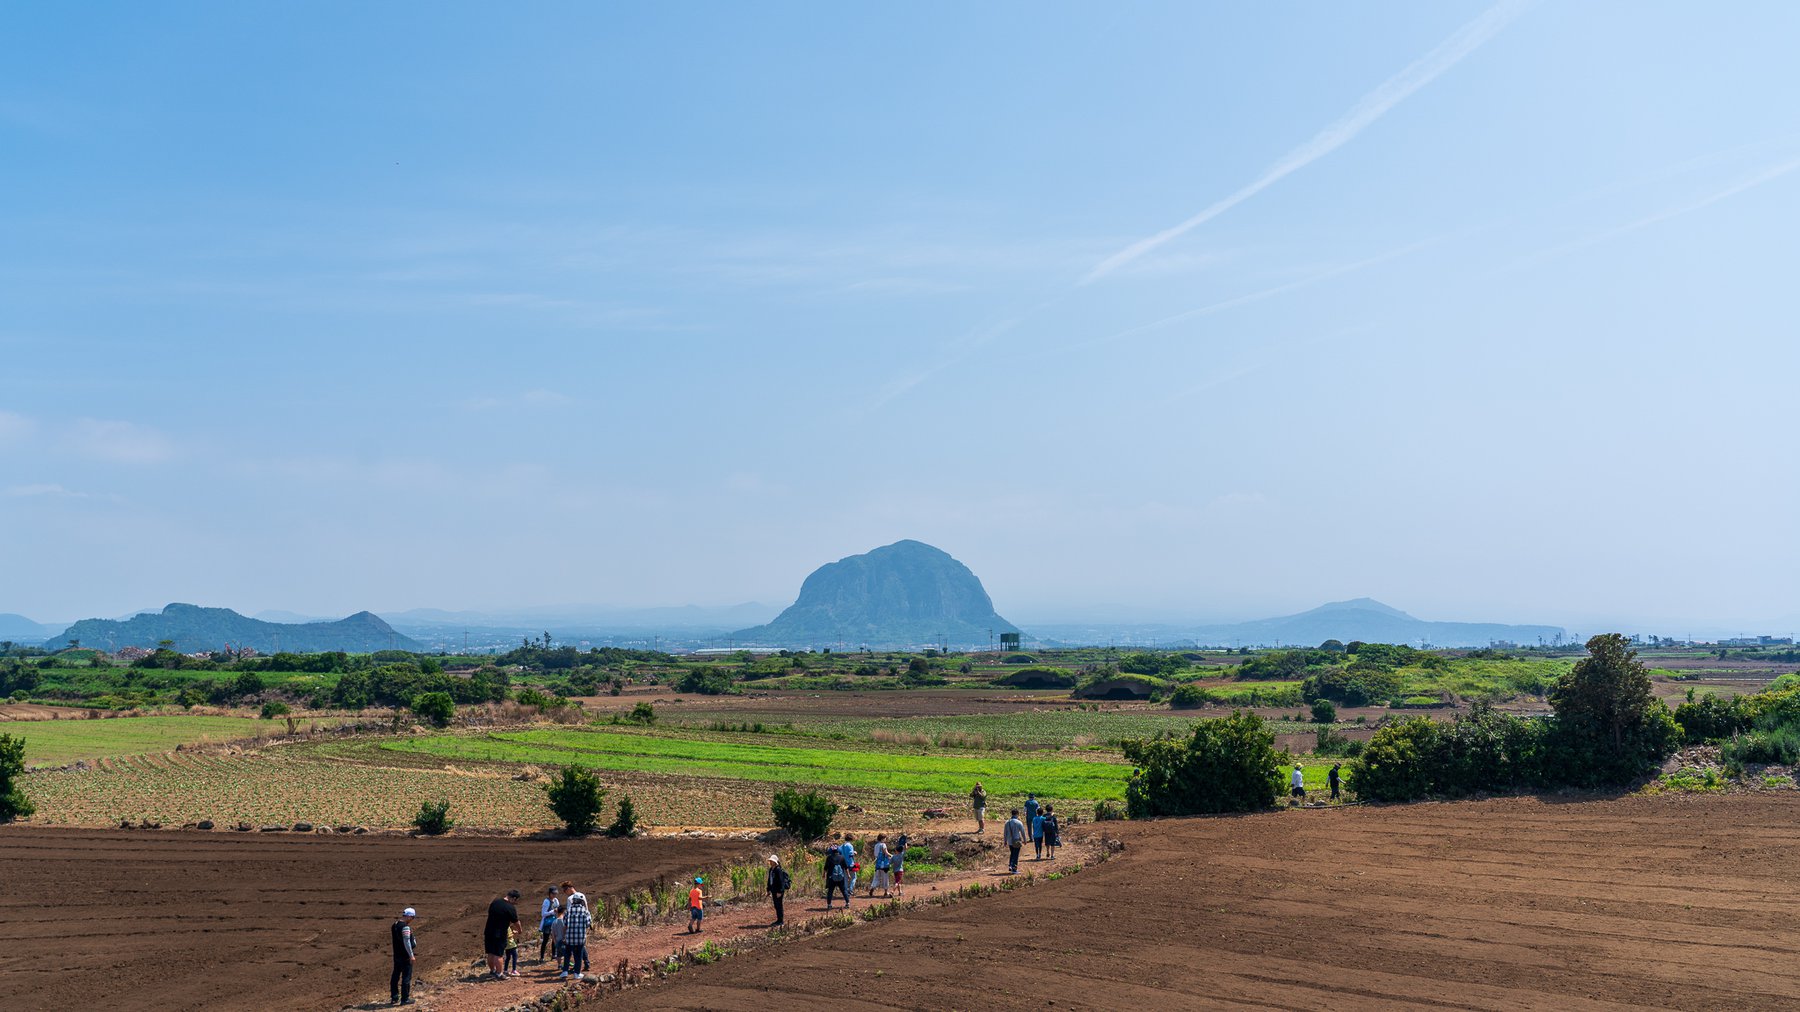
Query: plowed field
(1666, 902)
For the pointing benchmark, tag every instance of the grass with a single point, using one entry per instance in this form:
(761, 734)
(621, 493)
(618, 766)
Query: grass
(1060, 728)
(899, 770)
(59, 741)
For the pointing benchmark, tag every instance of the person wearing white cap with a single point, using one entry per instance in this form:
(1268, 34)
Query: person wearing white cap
(777, 881)
(406, 953)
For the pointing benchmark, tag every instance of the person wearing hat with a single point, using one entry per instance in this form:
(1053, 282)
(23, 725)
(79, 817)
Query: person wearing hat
(777, 881)
(696, 905)
(1298, 780)
(576, 922)
(405, 955)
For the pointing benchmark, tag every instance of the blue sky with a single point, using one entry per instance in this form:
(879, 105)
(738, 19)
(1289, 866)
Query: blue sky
(327, 307)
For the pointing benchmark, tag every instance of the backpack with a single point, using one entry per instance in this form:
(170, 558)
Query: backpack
(783, 879)
(837, 871)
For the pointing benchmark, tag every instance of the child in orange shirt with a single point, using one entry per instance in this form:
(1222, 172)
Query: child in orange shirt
(696, 906)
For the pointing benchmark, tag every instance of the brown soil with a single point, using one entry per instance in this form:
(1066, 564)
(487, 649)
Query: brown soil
(38, 711)
(187, 920)
(1667, 902)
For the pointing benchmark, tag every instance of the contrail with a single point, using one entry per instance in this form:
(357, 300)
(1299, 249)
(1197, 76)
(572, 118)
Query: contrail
(1373, 106)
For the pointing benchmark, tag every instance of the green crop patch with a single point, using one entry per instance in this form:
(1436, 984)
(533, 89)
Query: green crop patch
(61, 741)
(832, 767)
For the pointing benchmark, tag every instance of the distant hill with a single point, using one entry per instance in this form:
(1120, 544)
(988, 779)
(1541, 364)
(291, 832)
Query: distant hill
(20, 629)
(1371, 621)
(194, 628)
(904, 594)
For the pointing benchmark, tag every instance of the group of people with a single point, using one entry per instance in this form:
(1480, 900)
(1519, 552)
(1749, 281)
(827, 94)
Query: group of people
(843, 866)
(1038, 825)
(1297, 781)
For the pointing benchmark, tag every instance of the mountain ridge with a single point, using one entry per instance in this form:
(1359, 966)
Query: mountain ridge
(194, 628)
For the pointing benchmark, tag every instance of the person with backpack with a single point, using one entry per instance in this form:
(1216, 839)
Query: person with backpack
(883, 862)
(547, 912)
(1037, 834)
(406, 953)
(897, 863)
(575, 931)
(1052, 831)
(978, 799)
(1333, 777)
(777, 881)
(837, 875)
(1013, 835)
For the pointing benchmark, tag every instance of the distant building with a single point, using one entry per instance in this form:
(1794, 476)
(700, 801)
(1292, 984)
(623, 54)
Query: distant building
(1758, 641)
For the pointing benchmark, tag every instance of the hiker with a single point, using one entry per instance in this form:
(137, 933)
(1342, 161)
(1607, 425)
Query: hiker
(978, 798)
(502, 914)
(1037, 833)
(836, 875)
(851, 867)
(883, 862)
(1052, 831)
(897, 863)
(570, 895)
(575, 931)
(1299, 782)
(1013, 835)
(777, 881)
(557, 920)
(1031, 807)
(1333, 777)
(547, 914)
(406, 953)
(696, 906)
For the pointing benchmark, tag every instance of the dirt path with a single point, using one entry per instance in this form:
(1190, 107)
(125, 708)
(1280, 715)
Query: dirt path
(731, 925)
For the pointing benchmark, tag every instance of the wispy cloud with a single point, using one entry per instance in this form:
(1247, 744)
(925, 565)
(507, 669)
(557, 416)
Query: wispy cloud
(44, 489)
(119, 442)
(14, 427)
(1372, 107)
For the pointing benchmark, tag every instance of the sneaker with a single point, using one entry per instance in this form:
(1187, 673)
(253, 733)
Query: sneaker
(580, 977)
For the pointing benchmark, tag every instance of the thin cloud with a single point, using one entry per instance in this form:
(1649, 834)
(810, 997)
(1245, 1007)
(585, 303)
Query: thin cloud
(1372, 107)
(14, 427)
(119, 442)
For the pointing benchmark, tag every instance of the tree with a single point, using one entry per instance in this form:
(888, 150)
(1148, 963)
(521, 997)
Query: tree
(1323, 711)
(435, 707)
(577, 798)
(642, 713)
(13, 802)
(274, 708)
(434, 818)
(807, 815)
(1225, 765)
(625, 823)
(1397, 764)
(1610, 726)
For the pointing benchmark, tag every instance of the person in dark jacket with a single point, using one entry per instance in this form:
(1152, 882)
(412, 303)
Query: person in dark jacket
(1333, 777)
(837, 877)
(777, 882)
(406, 953)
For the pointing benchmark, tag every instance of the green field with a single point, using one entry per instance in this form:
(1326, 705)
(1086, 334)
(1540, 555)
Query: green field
(50, 742)
(1065, 728)
(1076, 779)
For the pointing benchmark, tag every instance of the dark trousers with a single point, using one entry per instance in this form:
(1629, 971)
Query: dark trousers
(575, 958)
(841, 885)
(1014, 862)
(1334, 790)
(400, 984)
(777, 898)
(1038, 844)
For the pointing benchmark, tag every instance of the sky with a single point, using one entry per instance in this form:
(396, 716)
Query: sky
(1206, 311)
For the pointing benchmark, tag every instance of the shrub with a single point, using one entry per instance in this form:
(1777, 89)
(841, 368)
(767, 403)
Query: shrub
(13, 802)
(1224, 765)
(643, 713)
(274, 708)
(625, 823)
(807, 814)
(435, 708)
(434, 818)
(1324, 711)
(1396, 764)
(1328, 741)
(1038, 678)
(1188, 697)
(704, 681)
(1357, 685)
(577, 799)
(1610, 727)
(1108, 811)
(1773, 745)
(1018, 659)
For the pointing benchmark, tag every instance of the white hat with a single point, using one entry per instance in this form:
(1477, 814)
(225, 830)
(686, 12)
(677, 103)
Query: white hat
(409, 912)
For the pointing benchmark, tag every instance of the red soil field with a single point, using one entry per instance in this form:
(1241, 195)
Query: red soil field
(188, 920)
(1519, 903)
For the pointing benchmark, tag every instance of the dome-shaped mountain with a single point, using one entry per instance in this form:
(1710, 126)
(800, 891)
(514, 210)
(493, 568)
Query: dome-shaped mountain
(904, 594)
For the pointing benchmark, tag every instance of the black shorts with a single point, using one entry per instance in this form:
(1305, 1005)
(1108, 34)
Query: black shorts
(496, 946)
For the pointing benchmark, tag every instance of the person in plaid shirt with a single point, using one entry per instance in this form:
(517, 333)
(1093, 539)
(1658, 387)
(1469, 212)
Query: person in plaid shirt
(575, 931)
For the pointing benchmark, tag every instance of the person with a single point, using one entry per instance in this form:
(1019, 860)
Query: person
(696, 905)
(1333, 777)
(502, 914)
(836, 875)
(1013, 835)
(571, 893)
(851, 867)
(1031, 807)
(883, 862)
(1299, 782)
(511, 965)
(897, 863)
(576, 922)
(406, 953)
(548, 911)
(1052, 831)
(1037, 834)
(555, 933)
(777, 881)
(978, 798)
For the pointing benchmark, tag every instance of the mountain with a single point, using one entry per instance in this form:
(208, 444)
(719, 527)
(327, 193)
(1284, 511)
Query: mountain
(20, 629)
(904, 594)
(566, 620)
(1361, 619)
(194, 629)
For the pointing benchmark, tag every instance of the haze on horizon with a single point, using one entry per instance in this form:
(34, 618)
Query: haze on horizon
(1484, 311)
